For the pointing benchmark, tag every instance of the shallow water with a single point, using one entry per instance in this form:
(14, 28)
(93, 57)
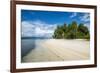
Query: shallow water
(29, 44)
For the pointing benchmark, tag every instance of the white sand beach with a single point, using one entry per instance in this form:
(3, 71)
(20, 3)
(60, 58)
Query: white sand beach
(59, 50)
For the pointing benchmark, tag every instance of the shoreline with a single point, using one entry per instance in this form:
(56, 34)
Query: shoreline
(59, 50)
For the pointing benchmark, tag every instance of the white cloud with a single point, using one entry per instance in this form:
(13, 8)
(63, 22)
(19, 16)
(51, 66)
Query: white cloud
(37, 29)
(27, 29)
(85, 17)
(73, 15)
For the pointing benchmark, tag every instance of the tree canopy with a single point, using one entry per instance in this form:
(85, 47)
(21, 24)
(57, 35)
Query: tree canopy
(71, 31)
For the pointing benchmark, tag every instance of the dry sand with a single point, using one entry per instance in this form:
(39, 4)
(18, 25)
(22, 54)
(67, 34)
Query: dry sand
(59, 50)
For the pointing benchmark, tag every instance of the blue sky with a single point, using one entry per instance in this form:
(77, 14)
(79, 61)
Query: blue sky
(43, 23)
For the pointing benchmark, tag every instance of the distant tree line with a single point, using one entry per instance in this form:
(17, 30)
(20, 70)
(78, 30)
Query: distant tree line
(71, 31)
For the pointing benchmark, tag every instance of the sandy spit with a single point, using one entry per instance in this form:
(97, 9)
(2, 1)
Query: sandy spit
(59, 50)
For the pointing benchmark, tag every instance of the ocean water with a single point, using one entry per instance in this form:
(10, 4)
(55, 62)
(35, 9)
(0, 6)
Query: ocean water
(28, 44)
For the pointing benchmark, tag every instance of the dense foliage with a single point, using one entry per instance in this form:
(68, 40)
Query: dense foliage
(71, 31)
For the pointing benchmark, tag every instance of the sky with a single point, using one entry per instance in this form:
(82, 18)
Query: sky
(43, 23)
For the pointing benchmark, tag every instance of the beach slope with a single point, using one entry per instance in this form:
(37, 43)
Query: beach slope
(59, 50)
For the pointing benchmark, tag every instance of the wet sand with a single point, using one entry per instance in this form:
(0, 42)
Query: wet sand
(59, 50)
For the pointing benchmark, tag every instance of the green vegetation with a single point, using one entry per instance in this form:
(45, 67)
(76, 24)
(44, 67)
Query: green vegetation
(72, 31)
